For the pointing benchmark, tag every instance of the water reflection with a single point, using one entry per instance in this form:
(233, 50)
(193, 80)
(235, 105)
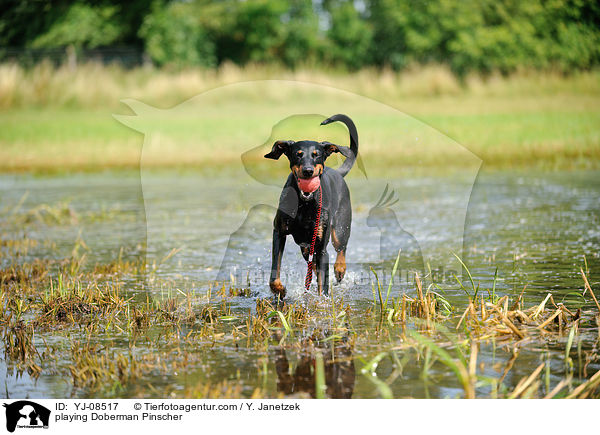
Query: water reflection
(338, 364)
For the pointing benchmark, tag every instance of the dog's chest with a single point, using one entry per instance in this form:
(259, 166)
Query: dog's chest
(303, 225)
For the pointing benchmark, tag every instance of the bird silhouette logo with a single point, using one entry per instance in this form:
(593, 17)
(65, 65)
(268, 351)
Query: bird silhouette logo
(394, 240)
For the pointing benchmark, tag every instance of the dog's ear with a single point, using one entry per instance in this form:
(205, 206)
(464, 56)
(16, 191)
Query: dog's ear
(330, 148)
(279, 147)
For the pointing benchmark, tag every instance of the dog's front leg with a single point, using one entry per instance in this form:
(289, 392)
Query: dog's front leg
(278, 246)
(322, 271)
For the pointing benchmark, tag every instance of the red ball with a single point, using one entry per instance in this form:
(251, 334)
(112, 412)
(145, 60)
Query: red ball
(309, 185)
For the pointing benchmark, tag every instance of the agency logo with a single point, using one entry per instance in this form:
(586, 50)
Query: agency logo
(197, 220)
(25, 414)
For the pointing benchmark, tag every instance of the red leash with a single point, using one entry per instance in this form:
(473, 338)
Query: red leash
(311, 254)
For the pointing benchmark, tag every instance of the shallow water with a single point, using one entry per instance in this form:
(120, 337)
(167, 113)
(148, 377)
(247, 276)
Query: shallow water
(536, 229)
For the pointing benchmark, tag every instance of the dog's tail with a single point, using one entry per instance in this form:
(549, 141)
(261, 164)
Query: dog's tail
(349, 162)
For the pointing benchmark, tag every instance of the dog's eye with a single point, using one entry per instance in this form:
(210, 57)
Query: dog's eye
(315, 153)
(299, 153)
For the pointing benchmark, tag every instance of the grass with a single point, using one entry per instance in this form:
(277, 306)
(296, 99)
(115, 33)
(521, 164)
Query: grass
(103, 330)
(84, 312)
(58, 119)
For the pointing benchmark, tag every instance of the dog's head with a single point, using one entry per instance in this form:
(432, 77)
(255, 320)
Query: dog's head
(307, 160)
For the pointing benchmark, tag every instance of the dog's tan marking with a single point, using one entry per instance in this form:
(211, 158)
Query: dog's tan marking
(296, 170)
(278, 288)
(340, 266)
(334, 239)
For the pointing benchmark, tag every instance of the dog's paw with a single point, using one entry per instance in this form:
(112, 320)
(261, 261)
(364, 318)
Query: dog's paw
(278, 288)
(339, 268)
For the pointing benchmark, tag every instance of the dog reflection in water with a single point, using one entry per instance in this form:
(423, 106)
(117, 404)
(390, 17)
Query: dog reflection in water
(339, 371)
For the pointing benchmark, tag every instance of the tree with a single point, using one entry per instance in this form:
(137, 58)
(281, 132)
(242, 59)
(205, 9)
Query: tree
(173, 36)
(350, 36)
(259, 30)
(301, 28)
(83, 26)
(56, 23)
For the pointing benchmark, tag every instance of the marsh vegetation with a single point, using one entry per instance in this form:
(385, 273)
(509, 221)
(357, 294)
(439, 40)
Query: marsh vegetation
(81, 323)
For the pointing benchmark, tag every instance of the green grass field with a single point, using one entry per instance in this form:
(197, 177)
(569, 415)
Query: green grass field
(56, 120)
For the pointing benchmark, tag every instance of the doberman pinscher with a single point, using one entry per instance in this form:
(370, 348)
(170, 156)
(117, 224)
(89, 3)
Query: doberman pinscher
(299, 202)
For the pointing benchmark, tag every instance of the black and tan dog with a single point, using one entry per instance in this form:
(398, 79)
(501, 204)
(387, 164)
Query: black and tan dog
(299, 202)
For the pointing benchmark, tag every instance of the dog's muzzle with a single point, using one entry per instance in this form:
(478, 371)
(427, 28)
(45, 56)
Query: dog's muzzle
(308, 186)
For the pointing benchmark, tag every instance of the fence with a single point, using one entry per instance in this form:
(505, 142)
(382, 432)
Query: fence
(127, 57)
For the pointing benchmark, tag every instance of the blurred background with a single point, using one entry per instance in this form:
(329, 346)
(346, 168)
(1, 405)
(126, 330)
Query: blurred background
(515, 82)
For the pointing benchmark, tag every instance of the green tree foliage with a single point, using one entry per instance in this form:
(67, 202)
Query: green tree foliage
(56, 23)
(467, 35)
(350, 36)
(285, 31)
(487, 35)
(259, 30)
(23, 21)
(82, 26)
(301, 42)
(532, 34)
(389, 19)
(174, 37)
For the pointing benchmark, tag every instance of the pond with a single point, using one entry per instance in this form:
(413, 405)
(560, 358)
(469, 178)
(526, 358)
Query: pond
(520, 234)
